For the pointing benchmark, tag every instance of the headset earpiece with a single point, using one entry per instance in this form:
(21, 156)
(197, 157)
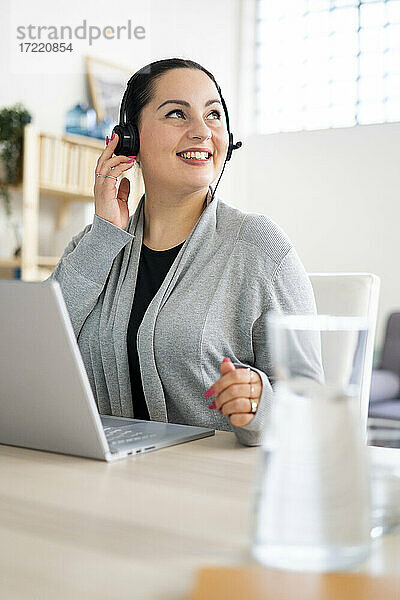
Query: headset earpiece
(232, 147)
(229, 153)
(128, 140)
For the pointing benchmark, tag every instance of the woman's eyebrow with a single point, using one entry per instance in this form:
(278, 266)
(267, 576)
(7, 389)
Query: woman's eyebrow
(184, 103)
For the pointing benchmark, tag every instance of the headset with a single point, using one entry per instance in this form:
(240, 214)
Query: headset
(128, 133)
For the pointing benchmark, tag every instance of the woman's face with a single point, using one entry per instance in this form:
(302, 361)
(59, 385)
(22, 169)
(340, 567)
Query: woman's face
(167, 128)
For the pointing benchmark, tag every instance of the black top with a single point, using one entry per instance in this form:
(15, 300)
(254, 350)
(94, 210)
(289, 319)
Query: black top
(153, 267)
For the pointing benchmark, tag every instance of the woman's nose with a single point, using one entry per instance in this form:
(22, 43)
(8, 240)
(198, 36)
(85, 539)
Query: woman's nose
(200, 130)
(206, 136)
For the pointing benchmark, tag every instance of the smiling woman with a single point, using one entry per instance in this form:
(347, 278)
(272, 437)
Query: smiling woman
(139, 111)
(168, 305)
(202, 117)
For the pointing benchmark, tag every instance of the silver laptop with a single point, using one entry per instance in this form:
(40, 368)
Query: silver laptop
(46, 401)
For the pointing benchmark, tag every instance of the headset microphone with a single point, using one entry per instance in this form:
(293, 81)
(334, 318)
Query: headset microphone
(232, 147)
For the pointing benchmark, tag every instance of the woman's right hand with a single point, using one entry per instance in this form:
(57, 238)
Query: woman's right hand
(111, 198)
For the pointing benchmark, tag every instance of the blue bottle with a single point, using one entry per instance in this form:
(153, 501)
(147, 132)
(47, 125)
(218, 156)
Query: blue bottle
(81, 120)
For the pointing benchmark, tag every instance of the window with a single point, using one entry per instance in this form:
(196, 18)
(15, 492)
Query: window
(322, 63)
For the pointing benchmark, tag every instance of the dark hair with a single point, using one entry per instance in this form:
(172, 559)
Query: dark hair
(142, 84)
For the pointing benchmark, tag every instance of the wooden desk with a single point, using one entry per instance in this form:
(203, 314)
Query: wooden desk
(73, 528)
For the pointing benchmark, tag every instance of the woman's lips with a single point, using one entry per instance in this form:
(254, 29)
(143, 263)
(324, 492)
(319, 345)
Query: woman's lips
(195, 161)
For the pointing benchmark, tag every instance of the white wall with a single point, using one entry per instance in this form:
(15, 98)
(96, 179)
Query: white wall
(336, 193)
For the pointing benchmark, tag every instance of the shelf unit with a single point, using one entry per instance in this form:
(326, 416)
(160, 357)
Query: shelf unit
(61, 166)
(58, 165)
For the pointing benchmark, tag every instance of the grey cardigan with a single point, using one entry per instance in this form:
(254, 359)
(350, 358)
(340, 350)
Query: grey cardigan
(232, 269)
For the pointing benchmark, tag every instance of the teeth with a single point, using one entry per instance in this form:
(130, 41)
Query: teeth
(197, 155)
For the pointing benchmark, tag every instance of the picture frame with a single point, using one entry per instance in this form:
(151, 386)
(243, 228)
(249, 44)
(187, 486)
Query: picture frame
(107, 83)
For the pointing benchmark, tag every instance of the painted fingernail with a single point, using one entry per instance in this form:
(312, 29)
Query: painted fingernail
(212, 405)
(107, 140)
(132, 156)
(131, 160)
(227, 360)
(113, 135)
(209, 392)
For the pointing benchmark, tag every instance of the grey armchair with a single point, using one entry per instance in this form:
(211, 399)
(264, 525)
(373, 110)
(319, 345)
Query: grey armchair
(385, 381)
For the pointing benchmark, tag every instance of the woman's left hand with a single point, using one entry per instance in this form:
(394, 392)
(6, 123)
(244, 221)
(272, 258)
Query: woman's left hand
(237, 393)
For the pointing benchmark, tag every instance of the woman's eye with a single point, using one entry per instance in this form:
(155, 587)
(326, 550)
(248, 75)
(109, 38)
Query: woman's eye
(174, 111)
(217, 113)
(178, 110)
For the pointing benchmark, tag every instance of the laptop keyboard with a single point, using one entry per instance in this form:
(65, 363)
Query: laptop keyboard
(124, 434)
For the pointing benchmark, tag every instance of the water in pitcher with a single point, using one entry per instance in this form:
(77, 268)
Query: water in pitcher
(312, 504)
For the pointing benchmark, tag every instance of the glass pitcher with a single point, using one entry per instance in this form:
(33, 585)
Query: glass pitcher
(312, 497)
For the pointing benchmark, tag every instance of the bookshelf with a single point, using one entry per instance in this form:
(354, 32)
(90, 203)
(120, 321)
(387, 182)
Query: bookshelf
(61, 166)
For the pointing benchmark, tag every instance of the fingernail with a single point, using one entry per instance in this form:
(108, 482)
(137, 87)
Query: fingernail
(107, 140)
(132, 156)
(209, 392)
(212, 405)
(113, 135)
(131, 160)
(227, 360)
